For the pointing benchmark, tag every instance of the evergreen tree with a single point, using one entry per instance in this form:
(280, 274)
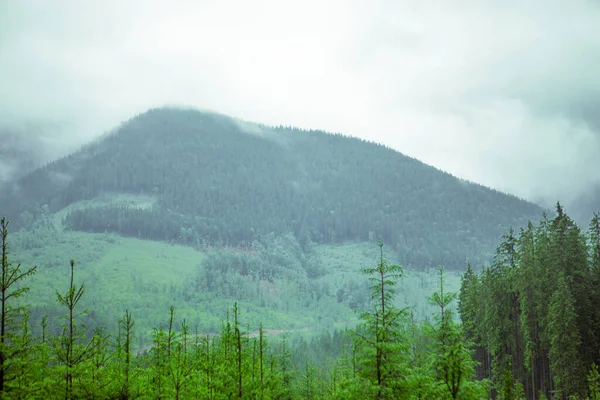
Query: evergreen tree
(71, 348)
(594, 248)
(181, 366)
(594, 241)
(531, 295)
(569, 257)
(40, 358)
(466, 299)
(239, 352)
(10, 290)
(451, 357)
(564, 340)
(503, 312)
(546, 280)
(97, 383)
(470, 300)
(593, 379)
(384, 343)
(127, 375)
(21, 386)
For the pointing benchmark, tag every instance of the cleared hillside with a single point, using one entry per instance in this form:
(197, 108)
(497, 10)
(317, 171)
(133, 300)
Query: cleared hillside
(277, 283)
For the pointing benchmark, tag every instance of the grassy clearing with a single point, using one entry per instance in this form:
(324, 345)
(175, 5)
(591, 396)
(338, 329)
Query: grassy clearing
(147, 277)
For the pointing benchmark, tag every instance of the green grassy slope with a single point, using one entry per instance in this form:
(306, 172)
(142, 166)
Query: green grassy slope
(147, 277)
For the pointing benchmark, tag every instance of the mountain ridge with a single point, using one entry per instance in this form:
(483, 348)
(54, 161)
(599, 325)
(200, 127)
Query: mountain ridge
(223, 180)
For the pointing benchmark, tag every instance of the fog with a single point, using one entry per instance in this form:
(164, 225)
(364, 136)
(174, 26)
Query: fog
(503, 93)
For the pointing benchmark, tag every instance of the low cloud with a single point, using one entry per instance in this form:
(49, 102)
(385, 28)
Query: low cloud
(502, 93)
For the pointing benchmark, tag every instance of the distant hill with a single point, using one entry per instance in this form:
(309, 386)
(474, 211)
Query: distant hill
(220, 181)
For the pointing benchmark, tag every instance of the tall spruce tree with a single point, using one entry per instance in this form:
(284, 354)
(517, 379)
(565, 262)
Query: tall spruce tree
(503, 313)
(546, 279)
(564, 341)
(594, 250)
(569, 257)
(530, 295)
(471, 313)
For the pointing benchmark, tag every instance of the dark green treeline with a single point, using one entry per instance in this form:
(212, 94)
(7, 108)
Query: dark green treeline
(534, 314)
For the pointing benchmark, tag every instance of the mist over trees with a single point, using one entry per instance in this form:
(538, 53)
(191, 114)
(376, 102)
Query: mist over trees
(218, 181)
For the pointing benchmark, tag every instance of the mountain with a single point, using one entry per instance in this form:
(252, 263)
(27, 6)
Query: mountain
(208, 179)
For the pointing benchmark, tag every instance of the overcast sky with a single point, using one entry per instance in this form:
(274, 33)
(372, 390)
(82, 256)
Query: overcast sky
(505, 93)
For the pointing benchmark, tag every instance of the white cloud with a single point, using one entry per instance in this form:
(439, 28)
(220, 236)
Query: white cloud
(492, 91)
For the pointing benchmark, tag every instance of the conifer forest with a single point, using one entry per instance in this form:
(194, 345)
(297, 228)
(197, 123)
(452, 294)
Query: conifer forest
(527, 327)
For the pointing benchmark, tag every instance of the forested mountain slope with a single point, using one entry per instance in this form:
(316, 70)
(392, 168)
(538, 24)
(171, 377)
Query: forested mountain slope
(219, 181)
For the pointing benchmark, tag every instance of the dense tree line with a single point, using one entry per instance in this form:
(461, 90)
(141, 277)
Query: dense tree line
(223, 181)
(533, 314)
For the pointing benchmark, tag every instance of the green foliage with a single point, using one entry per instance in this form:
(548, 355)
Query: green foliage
(565, 339)
(382, 338)
(10, 291)
(451, 358)
(594, 252)
(593, 379)
(538, 334)
(70, 348)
